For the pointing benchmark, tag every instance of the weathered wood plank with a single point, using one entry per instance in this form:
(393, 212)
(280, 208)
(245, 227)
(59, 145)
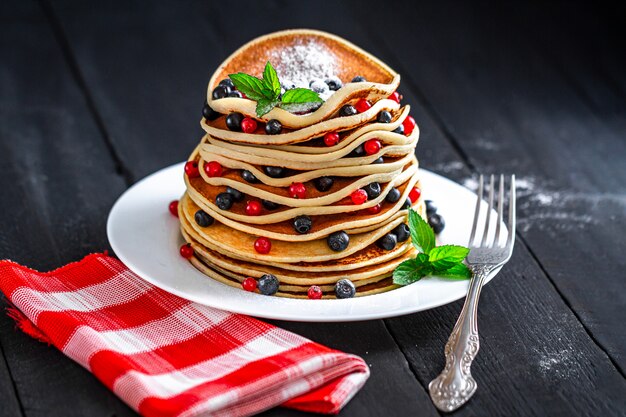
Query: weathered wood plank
(58, 182)
(510, 110)
(443, 157)
(204, 47)
(8, 396)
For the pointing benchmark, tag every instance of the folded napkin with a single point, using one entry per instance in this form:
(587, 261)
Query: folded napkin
(166, 356)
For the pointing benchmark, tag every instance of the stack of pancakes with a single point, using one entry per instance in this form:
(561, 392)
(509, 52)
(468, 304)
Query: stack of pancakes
(225, 249)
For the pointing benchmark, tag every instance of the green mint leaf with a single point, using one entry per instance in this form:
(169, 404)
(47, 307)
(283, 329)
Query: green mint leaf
(264, 106)
(269, 94)
(458, 271)
(410, 271)
(251, 86)
(446, 256)
(270, 79)
(300, 96)
(422, 234)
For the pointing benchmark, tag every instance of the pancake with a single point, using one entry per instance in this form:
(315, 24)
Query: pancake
(386, 284)
(227, 240)
(370, 160)
(251, 59)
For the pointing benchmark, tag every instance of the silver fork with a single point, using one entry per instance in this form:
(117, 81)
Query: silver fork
(455, 385)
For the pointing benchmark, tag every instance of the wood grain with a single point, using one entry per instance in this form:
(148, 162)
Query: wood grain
(58, 183)
(512, 111)
(534, 89)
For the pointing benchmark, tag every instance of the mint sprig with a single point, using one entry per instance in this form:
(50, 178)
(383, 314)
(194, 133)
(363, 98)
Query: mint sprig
(266, 92)
(444, 261)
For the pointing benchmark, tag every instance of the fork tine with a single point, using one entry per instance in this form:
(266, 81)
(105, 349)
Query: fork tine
(496, 238)
(489, 207)
(479, 199)
(511, 225)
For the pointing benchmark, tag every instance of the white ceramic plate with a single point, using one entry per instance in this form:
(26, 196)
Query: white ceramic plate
(145, 236)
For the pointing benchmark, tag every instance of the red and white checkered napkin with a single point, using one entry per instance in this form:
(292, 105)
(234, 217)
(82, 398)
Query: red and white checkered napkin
(166, 356)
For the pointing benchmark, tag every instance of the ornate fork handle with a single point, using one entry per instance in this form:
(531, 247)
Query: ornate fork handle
(455, 385)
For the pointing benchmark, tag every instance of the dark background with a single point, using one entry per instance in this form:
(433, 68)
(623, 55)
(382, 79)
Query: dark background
(96, 95)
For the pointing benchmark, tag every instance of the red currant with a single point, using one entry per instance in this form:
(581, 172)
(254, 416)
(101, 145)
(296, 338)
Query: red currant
(191, 169)
(248, 125)
(262, 245)
(314, 292)
(174, 208)
(249, 284)
(374, 209)
(359, 196)
(409, 124)
(395, 96)
(331, 139)
(186, 251)
(372, 146)
(415, 194)
(297, 190)
(213, 169)
(253, 208)
(362, 105)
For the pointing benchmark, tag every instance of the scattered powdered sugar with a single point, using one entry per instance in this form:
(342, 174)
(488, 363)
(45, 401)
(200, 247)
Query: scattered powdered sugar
(558, 364)
(304, 62)
(448, 167)
(539, 205)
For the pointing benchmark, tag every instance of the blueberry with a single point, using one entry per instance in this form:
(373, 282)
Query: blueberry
(237, 195)
(431, 207)
(302, 224)
(402, 232)
(269, 205)
(347, 110)
(407, 204)
(344, 288)
(235, 94)
(384, 117)
(373, 190)
(273, 127)
(208, 113)
(220, 91)
(334, 83)
(233, 121)
(399, 129)
(248, 176)
(274, 172)
(387, 242)
(319, 86)
(357, 152)
(393, 196)
(268, 284)
(323, 183)
(224, 201)
(379, 160)
(436, 222)
(358, 79)
(338, 241)
(228, 83)
(203, 219)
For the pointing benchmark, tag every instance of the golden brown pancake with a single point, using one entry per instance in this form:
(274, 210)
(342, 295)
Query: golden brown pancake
(369, 151)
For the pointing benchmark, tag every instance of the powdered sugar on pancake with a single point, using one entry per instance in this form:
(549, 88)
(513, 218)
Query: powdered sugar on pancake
(299, 64)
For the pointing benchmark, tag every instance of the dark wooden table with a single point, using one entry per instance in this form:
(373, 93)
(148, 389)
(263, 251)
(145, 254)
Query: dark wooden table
(93, 97)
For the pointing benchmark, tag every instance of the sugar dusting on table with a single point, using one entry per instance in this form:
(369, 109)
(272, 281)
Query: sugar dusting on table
(304, 61)
(539, 205)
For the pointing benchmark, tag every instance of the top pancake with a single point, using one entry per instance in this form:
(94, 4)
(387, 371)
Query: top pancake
(351, 60)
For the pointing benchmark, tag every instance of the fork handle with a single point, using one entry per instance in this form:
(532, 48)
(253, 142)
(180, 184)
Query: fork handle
(455, 385)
